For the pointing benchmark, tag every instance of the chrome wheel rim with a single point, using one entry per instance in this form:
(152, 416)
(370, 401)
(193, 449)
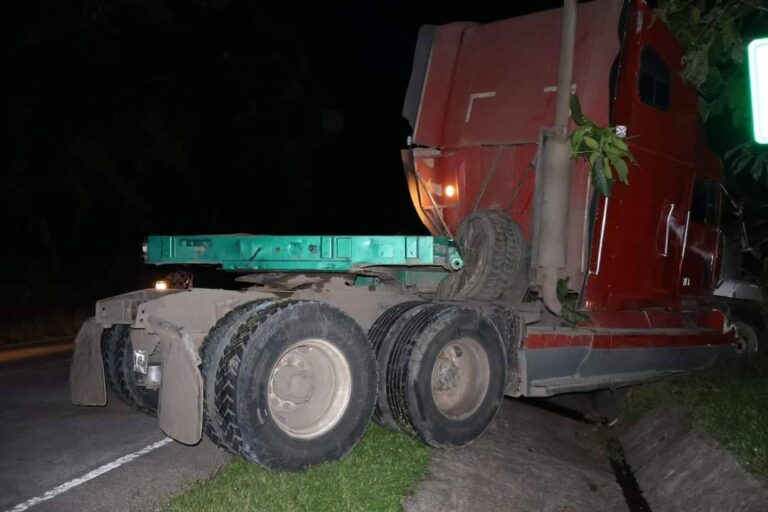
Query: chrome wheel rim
(460, 378)
(309, 388)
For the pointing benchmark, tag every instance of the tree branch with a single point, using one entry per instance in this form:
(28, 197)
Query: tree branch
(755, 6)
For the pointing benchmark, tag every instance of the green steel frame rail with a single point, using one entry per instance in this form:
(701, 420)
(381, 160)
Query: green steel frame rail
(322, 253)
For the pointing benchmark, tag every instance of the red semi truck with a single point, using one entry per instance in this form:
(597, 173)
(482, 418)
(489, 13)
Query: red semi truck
(427, 334)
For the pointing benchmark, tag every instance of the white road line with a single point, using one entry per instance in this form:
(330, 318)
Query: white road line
(89, 476)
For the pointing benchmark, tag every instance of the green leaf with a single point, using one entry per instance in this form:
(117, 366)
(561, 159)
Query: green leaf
(607, 167)
(716, 106)
(568, 300)
(621, 169)
(602, 148)
(601, 183)
(576, 114)
(620, 144)
(759, 166)
(740, 164)
(576, 139)
(600, 136)
(735, 150)
(572, 316)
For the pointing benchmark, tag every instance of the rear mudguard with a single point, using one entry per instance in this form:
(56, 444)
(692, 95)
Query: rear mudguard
(170, 328)
(86, 374)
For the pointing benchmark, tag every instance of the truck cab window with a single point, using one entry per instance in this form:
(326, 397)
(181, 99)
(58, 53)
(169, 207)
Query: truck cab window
(705, 204)
(654, 81)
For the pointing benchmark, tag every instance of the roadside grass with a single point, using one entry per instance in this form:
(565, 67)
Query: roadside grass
(729, 401)
(375, 476)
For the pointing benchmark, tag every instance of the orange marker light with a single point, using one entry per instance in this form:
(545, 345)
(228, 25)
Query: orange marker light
(450, 191)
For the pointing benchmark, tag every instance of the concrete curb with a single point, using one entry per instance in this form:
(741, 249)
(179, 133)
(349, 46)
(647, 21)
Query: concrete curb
(681, 468)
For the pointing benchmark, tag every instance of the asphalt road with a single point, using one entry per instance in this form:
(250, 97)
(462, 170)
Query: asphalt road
(47, 446)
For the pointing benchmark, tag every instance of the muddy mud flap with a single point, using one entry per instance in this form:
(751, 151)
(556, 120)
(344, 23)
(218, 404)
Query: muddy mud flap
(86, 374)
(180, 412)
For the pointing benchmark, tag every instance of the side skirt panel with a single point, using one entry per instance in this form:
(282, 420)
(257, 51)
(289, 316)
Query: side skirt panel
(561, 370)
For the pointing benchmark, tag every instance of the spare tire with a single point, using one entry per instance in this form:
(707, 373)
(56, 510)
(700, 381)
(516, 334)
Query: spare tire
(495, 254)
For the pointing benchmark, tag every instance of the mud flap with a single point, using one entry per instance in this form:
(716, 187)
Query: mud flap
(86, 373)
(181, 394)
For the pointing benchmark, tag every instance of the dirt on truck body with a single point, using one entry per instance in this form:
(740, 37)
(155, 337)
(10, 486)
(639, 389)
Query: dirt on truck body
(426, 334)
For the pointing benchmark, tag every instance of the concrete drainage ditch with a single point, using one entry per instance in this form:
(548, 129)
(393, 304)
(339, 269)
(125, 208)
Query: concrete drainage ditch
(680, 468)
(561, 456)
(625, 477)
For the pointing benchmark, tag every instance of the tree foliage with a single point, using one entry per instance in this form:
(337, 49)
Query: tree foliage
(714, 34)
(602, 147)
(569, 300)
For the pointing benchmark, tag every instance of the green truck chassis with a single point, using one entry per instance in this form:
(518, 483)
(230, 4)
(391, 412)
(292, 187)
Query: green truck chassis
(321, 253)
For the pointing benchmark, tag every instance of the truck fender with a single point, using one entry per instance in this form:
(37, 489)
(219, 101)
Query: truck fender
(180, 408)
(86, 375)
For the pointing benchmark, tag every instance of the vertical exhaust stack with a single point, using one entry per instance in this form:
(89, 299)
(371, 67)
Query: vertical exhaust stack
(556, 176)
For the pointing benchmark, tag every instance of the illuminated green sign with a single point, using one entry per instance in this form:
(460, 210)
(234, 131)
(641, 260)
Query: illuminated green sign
(758, 78)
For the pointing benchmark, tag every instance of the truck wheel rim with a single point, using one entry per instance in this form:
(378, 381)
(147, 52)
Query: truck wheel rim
(746, 339)
(309, 388)
(460, 378)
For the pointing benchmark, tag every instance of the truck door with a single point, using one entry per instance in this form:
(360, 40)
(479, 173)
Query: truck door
(700, 245)
(640, 249)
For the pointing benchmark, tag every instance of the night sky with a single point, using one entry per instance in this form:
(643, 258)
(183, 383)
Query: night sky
(129, 118)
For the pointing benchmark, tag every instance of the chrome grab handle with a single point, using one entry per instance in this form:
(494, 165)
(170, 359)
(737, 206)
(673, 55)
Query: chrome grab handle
(669, 226)
(602, 238)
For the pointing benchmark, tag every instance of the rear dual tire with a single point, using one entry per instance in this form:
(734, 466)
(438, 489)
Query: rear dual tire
(290, 384)
(117, 355)
(211, 351)
(294, 386)
(442, 372)
(383, 335)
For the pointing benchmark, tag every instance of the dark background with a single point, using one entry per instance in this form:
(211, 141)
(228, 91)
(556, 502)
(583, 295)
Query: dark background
(128, 118)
